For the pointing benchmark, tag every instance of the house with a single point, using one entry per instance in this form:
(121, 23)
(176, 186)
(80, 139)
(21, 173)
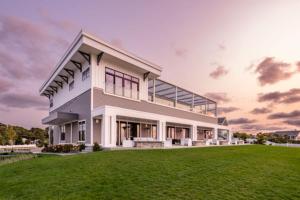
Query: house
(291, 135)
(100, 93)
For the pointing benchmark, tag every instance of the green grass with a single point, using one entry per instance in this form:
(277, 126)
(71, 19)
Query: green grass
(240, 172)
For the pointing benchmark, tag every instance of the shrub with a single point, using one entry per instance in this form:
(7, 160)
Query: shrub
(81, 146)
(96, 147)
(67, 148)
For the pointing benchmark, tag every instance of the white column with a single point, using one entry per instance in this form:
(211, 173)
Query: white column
(215, 133)
(108, 130)
(113, 131)
(229, 136)
(162, 130)
(194, 132)
(92, 131)
(71, 135)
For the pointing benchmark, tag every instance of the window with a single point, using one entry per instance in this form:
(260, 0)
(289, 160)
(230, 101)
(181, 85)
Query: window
(82, 128)
(121, 84)
(71, 86)
(86, 74)
(51, 103)
(62, 133)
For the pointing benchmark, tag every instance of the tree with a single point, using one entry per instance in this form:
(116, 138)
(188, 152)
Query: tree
(11, 134)
(261, 138)
(242, 136)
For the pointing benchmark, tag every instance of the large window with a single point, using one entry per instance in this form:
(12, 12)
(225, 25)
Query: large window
(121, 84)
(82, 128)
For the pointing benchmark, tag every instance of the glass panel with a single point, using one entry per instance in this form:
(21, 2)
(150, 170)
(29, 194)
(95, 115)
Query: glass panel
(119, 86)
(108, 70)
(109, 83)
(127, 77)
(127, 88)
(145, 130)
(119, 74)
(123, 131)
(135, 90)
(135, 79)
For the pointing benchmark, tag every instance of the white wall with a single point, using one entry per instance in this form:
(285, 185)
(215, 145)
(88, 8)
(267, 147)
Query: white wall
(63, 95)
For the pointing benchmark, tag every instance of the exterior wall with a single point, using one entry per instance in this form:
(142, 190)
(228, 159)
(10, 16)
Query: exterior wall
(63, 95)
(82, 106)
(101, 99)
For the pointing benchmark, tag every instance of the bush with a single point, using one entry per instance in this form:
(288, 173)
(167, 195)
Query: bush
(81, 147)
(96, 147)
(67, 148)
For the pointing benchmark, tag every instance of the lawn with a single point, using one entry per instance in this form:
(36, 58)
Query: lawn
(238, 172)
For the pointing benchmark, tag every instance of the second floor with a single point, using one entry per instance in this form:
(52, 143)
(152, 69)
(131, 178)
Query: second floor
(92, 63)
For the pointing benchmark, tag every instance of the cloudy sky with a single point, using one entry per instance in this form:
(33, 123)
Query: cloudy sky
(244, 54)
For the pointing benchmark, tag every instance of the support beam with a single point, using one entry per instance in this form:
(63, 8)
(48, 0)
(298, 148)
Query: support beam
(86, 56)
(50, 92)
(77, 64)
(99, 56)
(146, 75)
(47, 95)
(59, 83)
(65, 78)
(53, 88)
(70, 72)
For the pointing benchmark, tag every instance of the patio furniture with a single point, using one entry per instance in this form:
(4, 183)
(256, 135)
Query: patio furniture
(128, 143)
(167, 143)
(186, 142)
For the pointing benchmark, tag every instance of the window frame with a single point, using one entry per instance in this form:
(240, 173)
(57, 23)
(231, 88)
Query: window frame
(125, 77)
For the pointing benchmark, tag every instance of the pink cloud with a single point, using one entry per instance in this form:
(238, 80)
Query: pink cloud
(218, 72)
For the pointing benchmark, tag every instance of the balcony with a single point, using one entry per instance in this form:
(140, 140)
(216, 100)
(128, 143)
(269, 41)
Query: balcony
(163, 93)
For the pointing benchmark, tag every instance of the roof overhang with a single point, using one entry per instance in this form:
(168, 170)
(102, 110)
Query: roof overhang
(59, 118)
(79, 51)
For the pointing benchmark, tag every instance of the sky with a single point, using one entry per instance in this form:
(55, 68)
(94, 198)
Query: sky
(244, 54)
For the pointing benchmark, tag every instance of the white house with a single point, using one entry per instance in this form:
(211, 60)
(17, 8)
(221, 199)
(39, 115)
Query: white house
(99, 93)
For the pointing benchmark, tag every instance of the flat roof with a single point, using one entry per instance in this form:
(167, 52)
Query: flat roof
(79, 41)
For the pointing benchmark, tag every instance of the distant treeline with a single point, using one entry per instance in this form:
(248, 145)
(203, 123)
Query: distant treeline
(20, 135)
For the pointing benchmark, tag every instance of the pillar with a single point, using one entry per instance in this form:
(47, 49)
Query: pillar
(215, 133)
(108, 131)
(194, 132)
(161, 130)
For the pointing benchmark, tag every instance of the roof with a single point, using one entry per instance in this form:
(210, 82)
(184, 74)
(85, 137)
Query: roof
(87, 41)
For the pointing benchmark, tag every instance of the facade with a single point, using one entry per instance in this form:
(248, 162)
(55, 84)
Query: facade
(99, 93)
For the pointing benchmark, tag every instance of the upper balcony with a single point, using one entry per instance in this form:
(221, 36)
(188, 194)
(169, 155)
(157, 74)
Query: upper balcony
(161, 92)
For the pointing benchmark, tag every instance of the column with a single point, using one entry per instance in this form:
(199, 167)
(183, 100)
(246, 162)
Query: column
(194, 132)
(161, 130)
(108, 130)
(215, 133)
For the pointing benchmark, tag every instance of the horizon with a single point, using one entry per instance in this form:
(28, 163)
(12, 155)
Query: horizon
(247, 61)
